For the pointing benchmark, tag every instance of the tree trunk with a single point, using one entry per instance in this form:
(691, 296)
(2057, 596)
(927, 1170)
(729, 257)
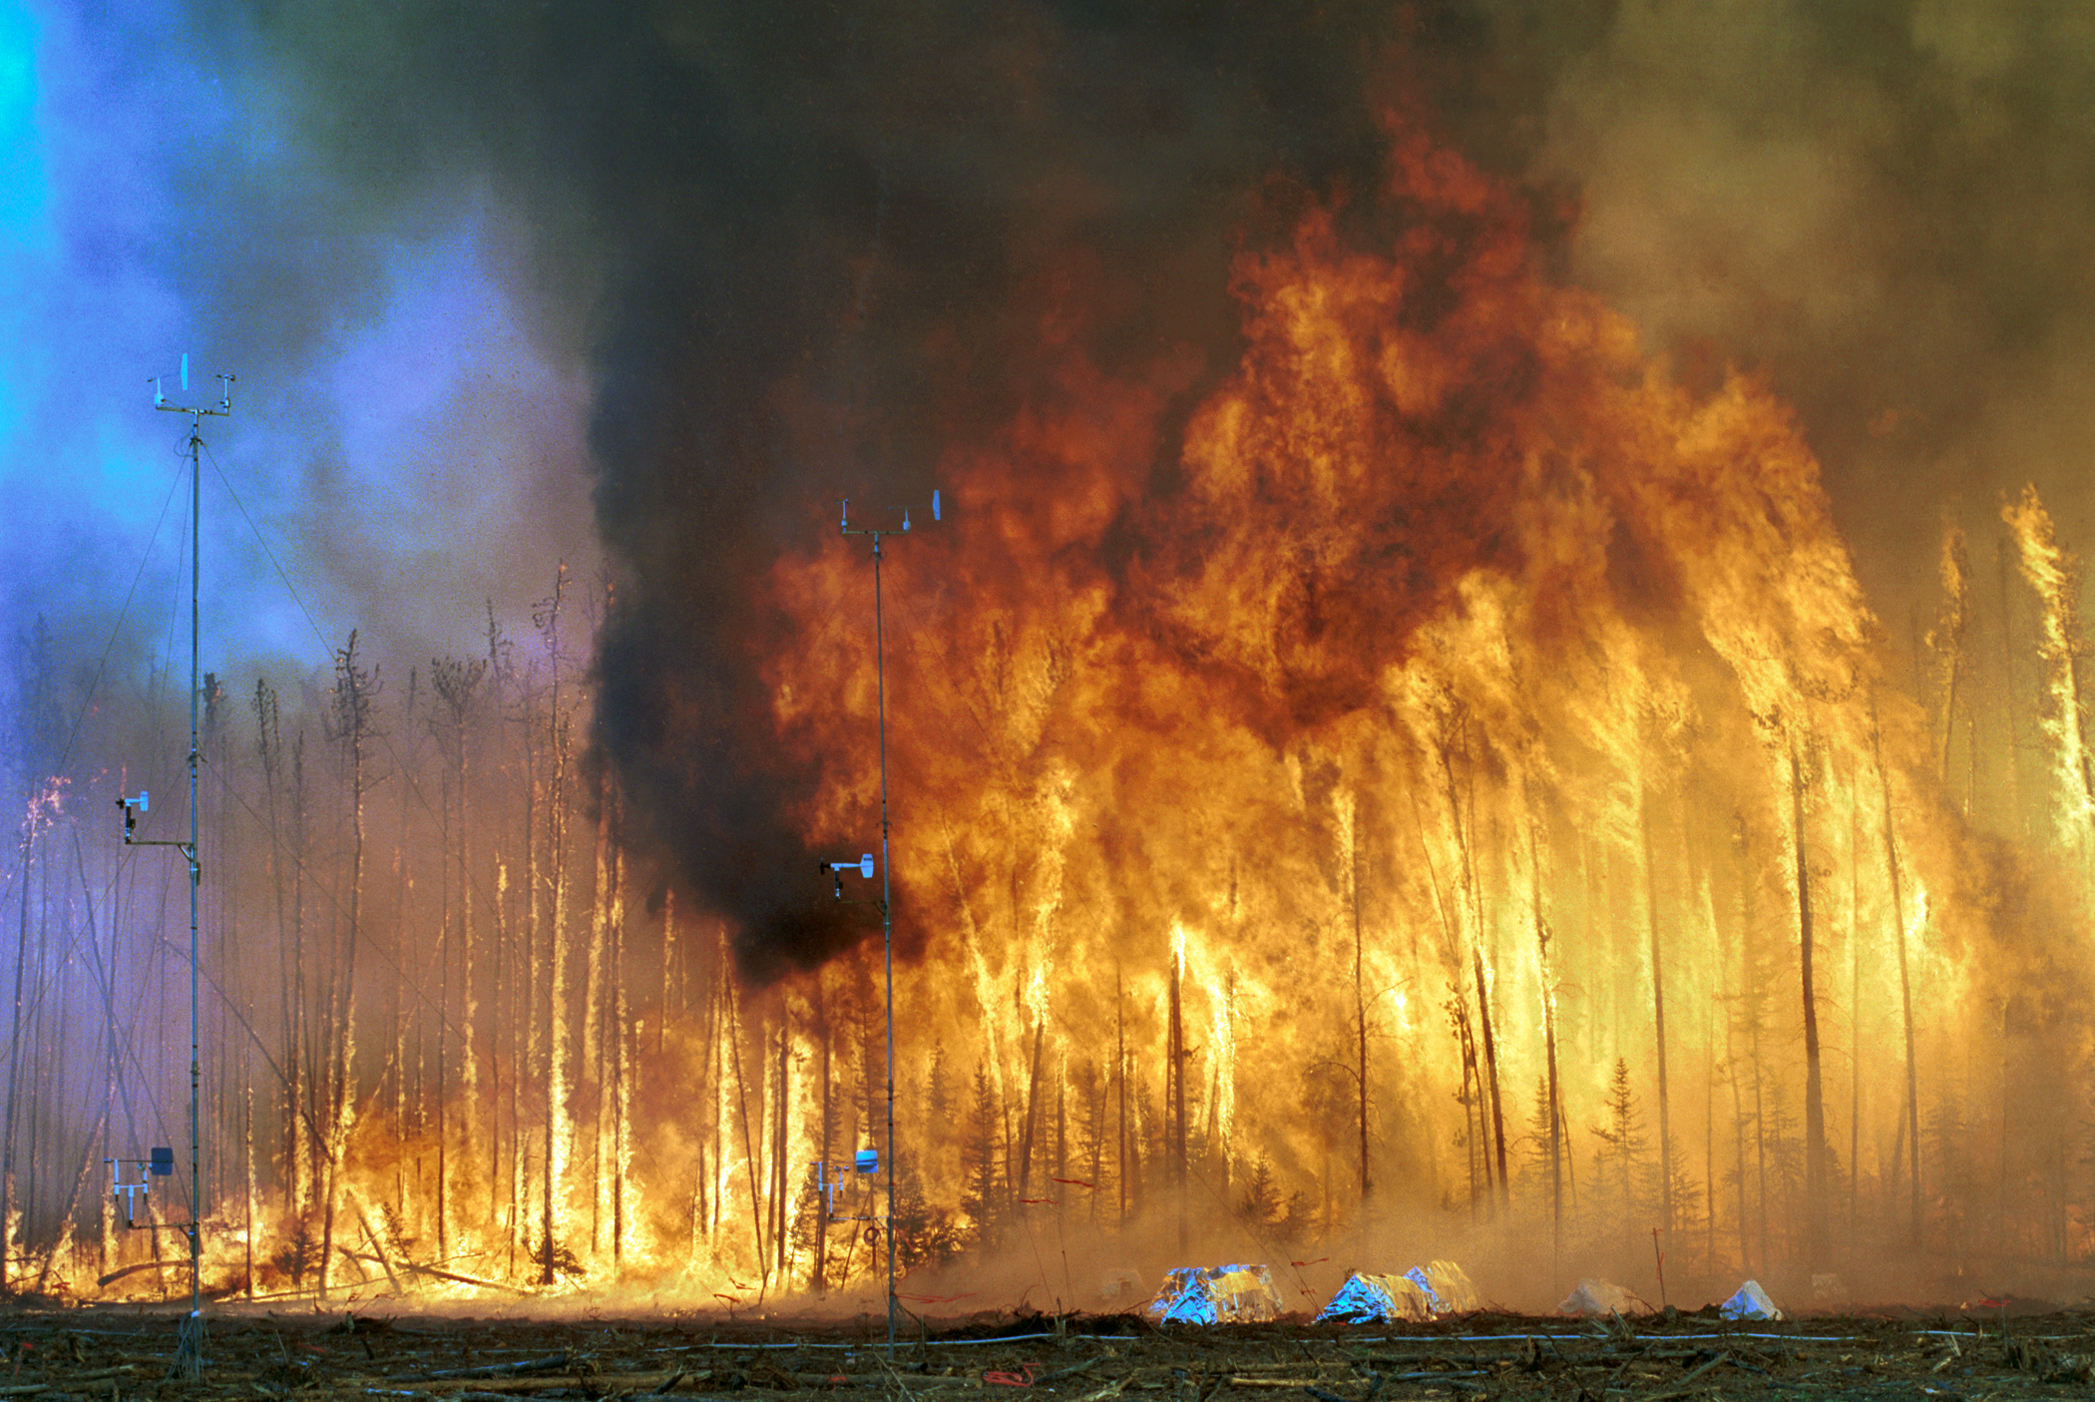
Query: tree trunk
(1658, 1010)
(1854, 1018)
(1554, 1109)
(621, 1046)
(8, 1205)
(1176, 1069)
(301, 1122)
(1814, 1105)
(780, 1178)
(818, 1272)
(1123, 1178)
(1360, 1002)
(733, 1033)
(1898, 918)
(354, 696)
(558, 1144)
(2018, 819)
(1032, 1116)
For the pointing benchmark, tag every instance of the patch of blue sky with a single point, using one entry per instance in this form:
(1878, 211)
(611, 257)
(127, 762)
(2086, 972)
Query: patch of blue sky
(25, 228)
(24, 191)
(84, 461)
(420, 456)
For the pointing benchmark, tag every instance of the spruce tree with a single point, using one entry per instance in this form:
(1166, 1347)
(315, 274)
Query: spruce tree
(1623, 1165)
(982, 1164)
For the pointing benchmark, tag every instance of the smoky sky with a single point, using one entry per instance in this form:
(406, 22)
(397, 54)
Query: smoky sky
(676, 276)
(839, 235)
(1888, 210)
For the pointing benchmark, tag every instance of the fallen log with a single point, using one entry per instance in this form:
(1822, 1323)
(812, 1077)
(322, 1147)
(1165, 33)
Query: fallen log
(61, 1384)
(429, 1271)
(499, 1370)
(1683, 1387)
(601, 1383)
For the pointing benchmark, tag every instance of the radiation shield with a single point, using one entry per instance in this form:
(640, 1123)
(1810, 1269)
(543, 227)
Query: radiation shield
(832, 1178)
(159, 1163)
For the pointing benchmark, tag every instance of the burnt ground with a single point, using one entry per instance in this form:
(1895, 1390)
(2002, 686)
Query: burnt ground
(106, 1354)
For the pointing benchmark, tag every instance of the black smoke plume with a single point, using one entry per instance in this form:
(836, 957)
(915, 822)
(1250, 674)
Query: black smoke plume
(813, 247)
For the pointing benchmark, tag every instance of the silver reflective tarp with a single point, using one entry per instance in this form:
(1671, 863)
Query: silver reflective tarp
(1377, 1299)
(1447, 1288)
(1421, 1293)
(1750, 1302)
(1595, 1298)
(1215, 1295)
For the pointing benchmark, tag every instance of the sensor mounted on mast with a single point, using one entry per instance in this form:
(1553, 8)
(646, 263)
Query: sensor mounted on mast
(869, 1160)
(190, 1348)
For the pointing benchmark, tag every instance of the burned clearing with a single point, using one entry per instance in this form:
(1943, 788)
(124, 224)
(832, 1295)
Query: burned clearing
(84, 1354)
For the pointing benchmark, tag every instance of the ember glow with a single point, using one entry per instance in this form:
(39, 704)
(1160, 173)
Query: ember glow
(1408, 743)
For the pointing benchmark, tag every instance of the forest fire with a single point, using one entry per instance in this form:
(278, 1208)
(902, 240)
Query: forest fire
(1474, 789)
(1466, 801)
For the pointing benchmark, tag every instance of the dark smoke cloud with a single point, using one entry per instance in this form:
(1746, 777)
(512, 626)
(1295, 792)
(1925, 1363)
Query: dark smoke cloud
(1888, 208)
(810, 248)
(841, 238)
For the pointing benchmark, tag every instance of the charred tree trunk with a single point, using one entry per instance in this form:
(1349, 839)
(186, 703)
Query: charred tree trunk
(303, 1123)
(1814, 1104)
(501, 993)
(818, 1271)
(1176, 1069)
(1032, 1116)
(1463, 817)
(8, 1205)
(595, 1021)
(2018, 814)
(468, 946)
(269, 749)
(1360, 1005)
(1854, 1018)
(1553, 1111)
(105, 978)
(1658, 1011)
(455, 683)
(1122, 1168)
(779, 1177)
(621, 1049)
(555, 1013)
(1491, 1072)
(1476, 1139)
(404, 1104)
(733, 1032)
(1898, 918)
(349, 725)
(1948, 636)
(669, 944)
(443, 1029)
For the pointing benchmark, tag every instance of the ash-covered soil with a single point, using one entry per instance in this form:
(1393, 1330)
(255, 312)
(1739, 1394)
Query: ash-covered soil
(98, 1353)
